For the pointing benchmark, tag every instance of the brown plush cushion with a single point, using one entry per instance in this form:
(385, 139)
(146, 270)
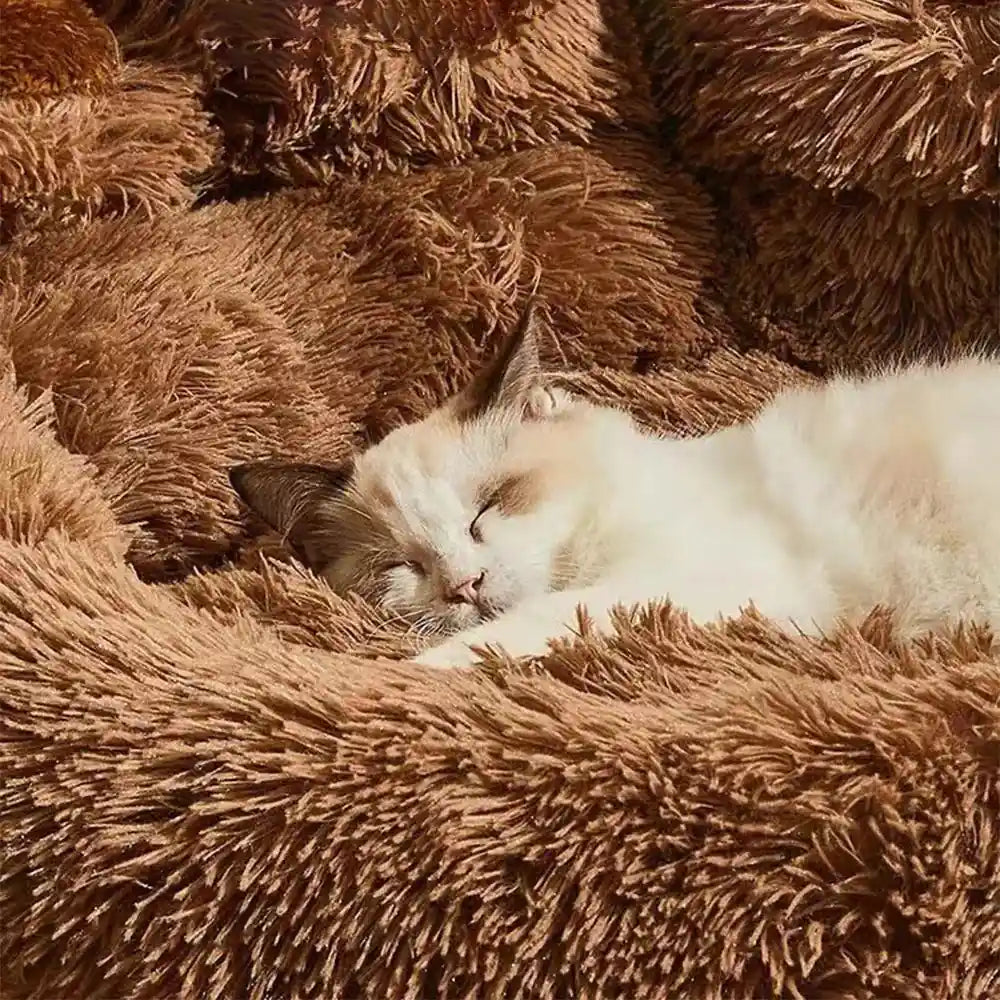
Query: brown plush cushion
(897, 97)
(859, 279)
(53, 46)
(854, 152)
(43, 488)
(165, 368)
(393, 83)
(138, 142)
(195, 807)
(296, 324)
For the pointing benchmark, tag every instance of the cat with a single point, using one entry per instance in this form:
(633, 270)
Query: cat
(490, 521)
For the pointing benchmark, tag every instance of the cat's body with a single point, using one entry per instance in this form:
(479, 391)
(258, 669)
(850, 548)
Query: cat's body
(513, 504)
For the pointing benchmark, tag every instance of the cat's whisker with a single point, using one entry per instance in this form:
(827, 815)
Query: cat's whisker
(396, 619)
(427, 625)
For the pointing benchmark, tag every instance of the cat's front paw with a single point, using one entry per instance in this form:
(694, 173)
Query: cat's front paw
(447, 654)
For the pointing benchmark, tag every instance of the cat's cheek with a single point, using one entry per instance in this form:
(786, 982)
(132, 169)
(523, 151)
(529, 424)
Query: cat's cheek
(524, 574)
(399, 592)
(502, 590)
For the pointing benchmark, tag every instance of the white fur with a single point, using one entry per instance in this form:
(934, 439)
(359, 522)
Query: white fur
(834, 500)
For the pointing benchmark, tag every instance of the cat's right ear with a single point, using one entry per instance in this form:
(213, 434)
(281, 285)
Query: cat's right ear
(512, 380)
(297, 500)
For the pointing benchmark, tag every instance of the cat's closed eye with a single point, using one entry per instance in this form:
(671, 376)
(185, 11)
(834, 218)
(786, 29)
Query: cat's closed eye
(474, 528)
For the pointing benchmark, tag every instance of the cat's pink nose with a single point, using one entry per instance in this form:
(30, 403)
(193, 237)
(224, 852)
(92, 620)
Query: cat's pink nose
(466, 592)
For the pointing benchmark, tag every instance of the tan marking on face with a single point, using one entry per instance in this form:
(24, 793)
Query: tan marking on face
(518, 494)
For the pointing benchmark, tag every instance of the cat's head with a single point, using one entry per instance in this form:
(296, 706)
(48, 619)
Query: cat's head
(446, 521)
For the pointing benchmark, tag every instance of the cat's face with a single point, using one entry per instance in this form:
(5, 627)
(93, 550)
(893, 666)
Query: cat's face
(447, 521)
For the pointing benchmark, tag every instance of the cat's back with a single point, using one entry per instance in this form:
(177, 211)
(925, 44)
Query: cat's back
(928, 390)
(919, 422)
(896, 479)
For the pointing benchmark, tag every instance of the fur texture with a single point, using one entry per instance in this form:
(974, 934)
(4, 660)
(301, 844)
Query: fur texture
(911, 111)
(388, 84)
(139, 144)
(854, 147)
(194, 806)
(54, 47)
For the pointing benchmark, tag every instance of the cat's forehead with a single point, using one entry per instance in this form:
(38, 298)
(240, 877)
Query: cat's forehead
(421, 480)
(438, 449)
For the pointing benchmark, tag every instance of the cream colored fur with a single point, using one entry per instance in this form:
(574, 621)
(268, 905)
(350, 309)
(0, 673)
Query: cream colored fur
(834, 500)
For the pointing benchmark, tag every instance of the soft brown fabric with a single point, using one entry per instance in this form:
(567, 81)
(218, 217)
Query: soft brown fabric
(167, 364)
(286, 599)
(140, 144)
(853, 147)
(900, 97)
(52, 47)
(43, 488)
(306, 88)
(390, 83)
(860, 279)
(200, 809)
(220, 780)
(727, 388)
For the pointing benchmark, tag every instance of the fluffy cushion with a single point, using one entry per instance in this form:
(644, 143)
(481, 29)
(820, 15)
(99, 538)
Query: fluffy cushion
(220, 779)
(82, 135)
(897, 97)
(854, 150)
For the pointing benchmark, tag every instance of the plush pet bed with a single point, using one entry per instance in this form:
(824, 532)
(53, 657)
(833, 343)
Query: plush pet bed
(280, 227)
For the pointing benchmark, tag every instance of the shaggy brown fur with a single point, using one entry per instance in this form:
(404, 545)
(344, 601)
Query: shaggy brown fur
(196, 808)
(861, 140)
(140, 144)
(304, 89)
(391, 83)
(232, 784)
(43, 488)
(52, 48)
(864, 278)
(900, 97)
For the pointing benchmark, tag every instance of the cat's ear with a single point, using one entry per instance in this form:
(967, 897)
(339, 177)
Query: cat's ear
(297, 500)
(512, 380)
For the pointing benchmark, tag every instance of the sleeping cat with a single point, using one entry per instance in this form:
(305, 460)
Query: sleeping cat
(512, 504)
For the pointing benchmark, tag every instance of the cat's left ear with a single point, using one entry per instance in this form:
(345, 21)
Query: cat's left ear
(297, 500)
(512, 380)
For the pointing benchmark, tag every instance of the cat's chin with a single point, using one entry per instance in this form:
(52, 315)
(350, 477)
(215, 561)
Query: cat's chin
(485, 612)
(470, 617)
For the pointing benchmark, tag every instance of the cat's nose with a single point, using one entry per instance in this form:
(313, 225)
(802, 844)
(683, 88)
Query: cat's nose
(466, 592)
